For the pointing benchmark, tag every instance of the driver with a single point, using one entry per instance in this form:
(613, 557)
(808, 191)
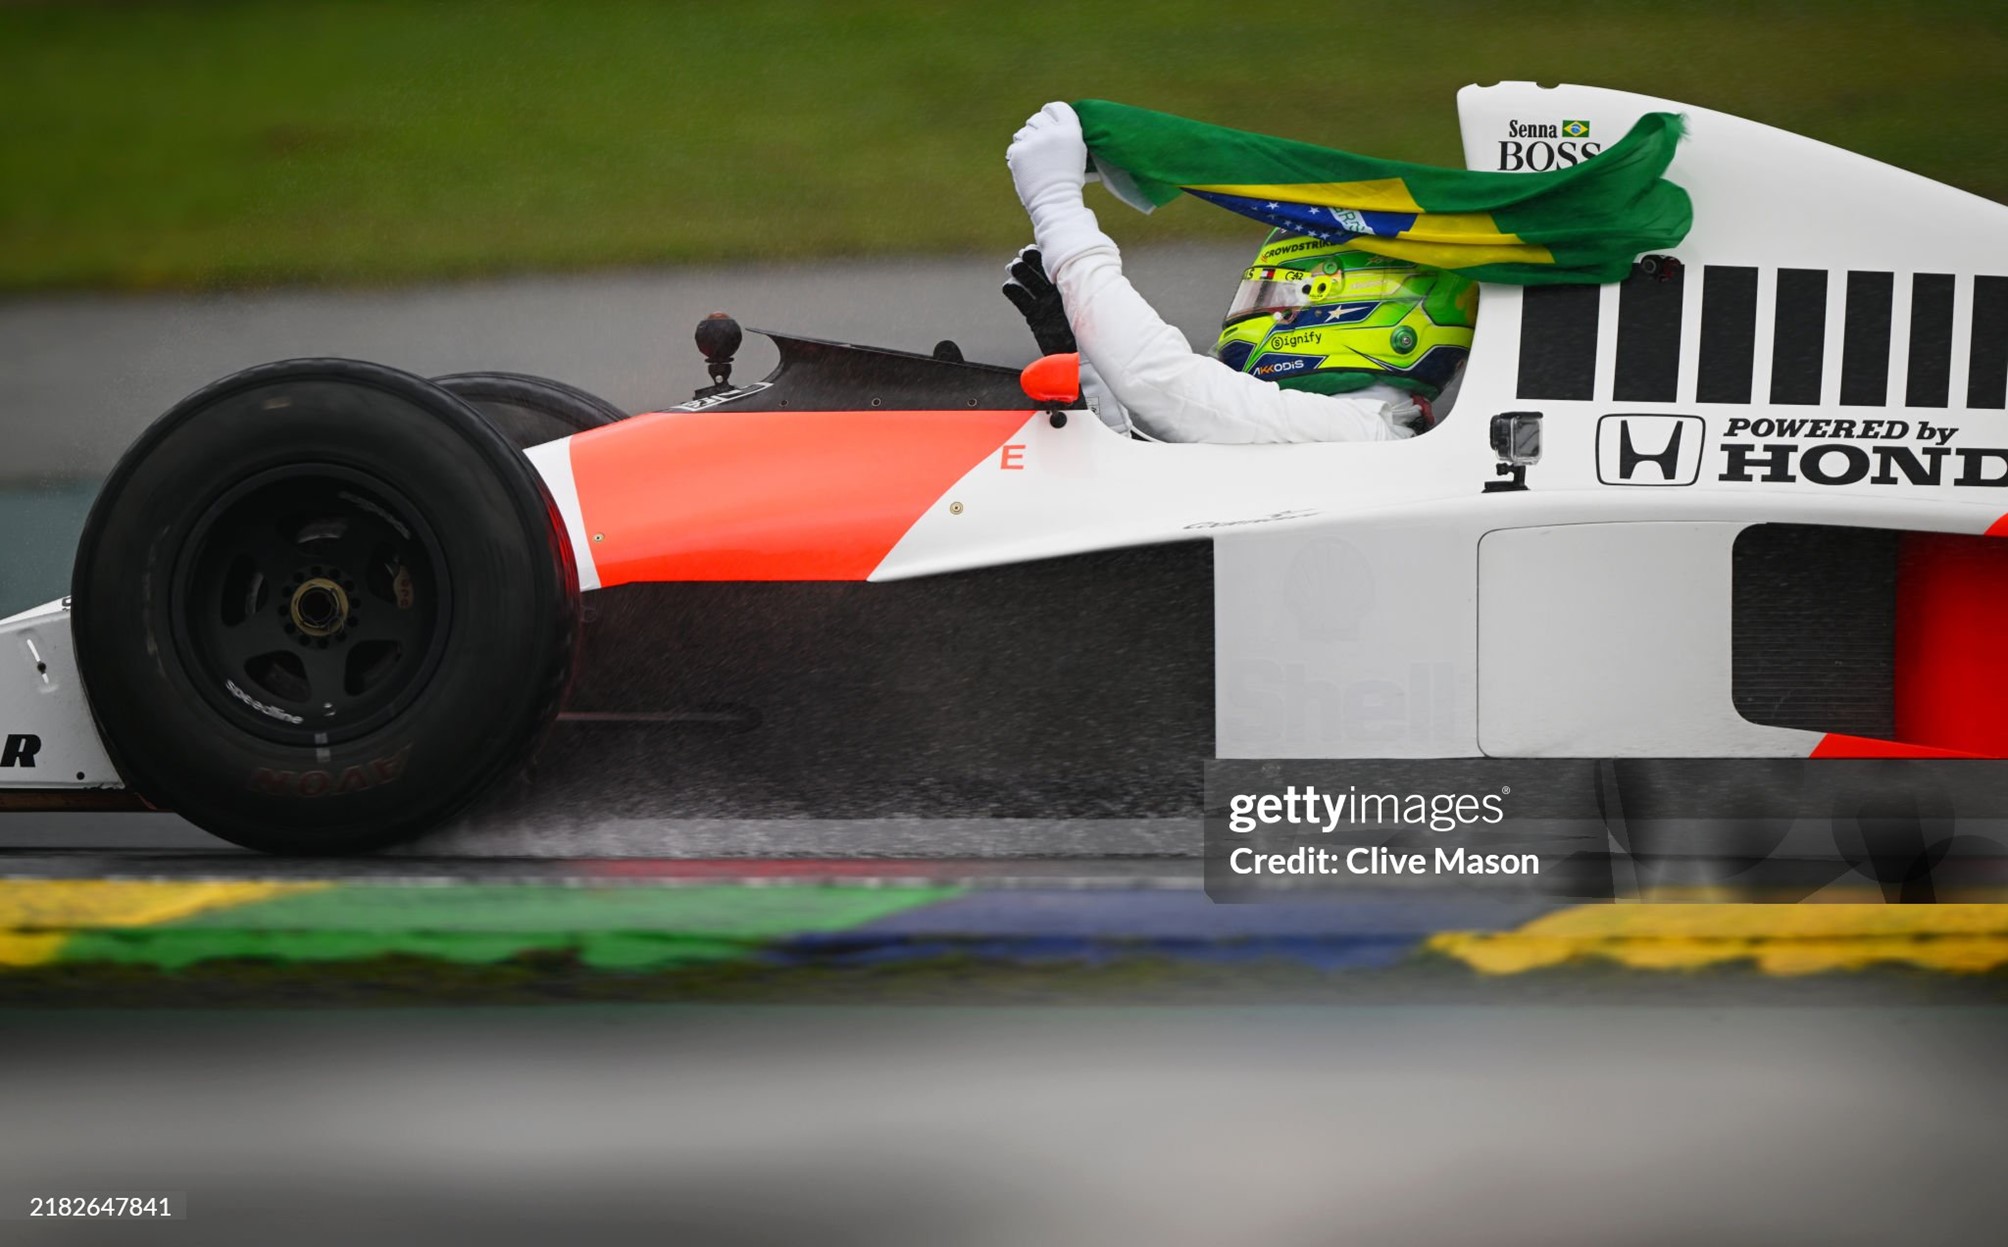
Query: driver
(1322, 343)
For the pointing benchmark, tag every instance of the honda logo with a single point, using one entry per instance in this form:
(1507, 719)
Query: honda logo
(1649, 450)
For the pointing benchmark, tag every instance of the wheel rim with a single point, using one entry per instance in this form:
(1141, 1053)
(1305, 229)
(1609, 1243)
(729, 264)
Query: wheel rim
(311, 604)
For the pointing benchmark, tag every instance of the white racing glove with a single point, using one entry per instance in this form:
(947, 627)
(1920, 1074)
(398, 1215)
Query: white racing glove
(1048, 156)
(1049, 165)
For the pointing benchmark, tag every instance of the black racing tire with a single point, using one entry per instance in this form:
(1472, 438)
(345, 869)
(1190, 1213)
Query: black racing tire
(530, 410)
(321, 606)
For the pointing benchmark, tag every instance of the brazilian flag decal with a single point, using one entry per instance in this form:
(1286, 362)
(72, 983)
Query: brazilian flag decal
(1583, 223)
(1575, 129)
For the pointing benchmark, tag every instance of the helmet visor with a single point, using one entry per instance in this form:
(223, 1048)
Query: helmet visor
(1266, 291)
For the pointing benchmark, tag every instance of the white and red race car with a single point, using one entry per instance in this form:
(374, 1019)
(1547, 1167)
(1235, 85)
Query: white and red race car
(1737, 506)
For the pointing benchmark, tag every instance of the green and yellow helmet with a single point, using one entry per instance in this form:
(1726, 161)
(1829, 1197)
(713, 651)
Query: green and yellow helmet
(1311, 315)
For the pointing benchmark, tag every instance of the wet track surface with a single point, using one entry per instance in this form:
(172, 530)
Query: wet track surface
(1141, 852)
(1108, 853)
(1421, 1104)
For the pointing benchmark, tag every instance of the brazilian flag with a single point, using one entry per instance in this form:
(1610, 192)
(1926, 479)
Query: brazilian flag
(1584, 223)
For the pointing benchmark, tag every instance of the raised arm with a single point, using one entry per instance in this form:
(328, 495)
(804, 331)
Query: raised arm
(1172, 392)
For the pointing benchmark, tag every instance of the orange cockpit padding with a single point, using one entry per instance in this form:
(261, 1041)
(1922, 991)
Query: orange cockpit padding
(1053, 379)
(769, 495)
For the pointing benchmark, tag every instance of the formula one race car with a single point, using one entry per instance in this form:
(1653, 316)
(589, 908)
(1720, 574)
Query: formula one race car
(1735, 506)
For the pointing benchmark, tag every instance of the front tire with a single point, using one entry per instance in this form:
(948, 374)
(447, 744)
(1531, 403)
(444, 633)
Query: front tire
(530, 410)
(321, 606)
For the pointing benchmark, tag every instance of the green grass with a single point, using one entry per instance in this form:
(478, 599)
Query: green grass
(204, 144)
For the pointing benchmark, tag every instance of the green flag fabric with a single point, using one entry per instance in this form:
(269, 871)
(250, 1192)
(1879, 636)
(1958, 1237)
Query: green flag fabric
(1585, 223)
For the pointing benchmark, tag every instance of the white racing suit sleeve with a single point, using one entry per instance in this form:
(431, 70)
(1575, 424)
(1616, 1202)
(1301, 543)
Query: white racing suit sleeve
(1101, 401)
(1170, 392)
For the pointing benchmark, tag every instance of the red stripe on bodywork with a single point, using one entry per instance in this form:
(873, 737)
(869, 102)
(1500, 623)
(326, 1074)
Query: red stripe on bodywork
(1834, 745)
(1951, 664)
(769, 495)
(1999, 528)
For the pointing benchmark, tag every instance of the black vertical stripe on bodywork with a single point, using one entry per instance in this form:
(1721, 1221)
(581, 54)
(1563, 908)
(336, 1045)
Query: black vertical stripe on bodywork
(1865, 337)
(1558, 342)
(1928, 381)
(1728, 334)
(1648, 364)
(1798, 335)
(1987, 358)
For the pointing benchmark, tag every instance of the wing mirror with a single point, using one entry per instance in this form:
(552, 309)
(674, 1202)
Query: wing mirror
(718, 338)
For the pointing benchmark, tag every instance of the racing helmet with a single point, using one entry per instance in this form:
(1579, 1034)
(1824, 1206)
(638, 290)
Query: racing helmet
(1314, 315)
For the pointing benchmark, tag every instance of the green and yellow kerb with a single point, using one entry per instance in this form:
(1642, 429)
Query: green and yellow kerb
(1322, 317)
